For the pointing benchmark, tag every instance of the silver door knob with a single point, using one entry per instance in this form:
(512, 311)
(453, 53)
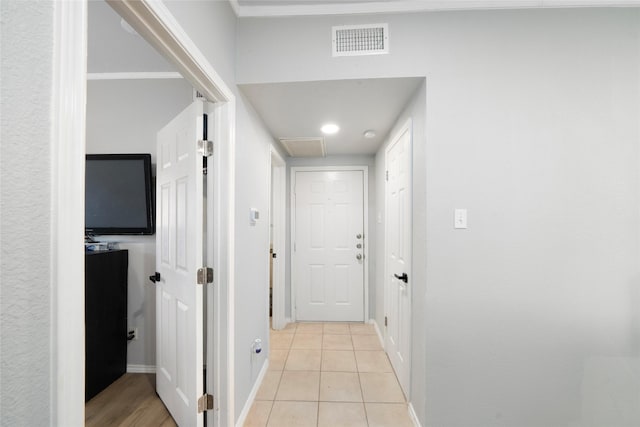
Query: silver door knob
(358, 236)
(359, 257)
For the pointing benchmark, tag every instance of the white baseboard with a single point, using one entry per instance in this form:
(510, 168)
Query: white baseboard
(378, 333)
(252, 396)
(141, 369)
(414, 416)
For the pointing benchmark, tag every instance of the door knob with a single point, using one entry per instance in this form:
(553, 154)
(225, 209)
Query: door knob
(403, 277)
(359, 245)
(358, 236)
(155, 278)
(359, 257)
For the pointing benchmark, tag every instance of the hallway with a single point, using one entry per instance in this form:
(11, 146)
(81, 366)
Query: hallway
(328, 374)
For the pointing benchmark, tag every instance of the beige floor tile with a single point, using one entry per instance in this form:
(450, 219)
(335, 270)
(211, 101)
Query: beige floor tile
(338, 361)
(307, 341)
(362, 329)
(277, 359)
(336, 328)
(259, 413)
(269, 386)
(341, 414)
(381, 387)
(336, 342)
(309, 328)
(290, 327)
(340, 387)
(281, 341)
(388, 414)
(366, 342)
(373, 361)
(303, 360)
(294, 414)
(299, 385)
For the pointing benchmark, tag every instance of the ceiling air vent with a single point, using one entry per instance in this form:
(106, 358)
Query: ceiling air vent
(304, 147)
(354, 40)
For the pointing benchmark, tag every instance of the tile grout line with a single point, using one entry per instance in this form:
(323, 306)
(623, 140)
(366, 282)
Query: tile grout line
(364, 405)
(320, 379)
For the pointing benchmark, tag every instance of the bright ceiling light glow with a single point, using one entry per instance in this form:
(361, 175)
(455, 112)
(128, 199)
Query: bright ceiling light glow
(330, 129)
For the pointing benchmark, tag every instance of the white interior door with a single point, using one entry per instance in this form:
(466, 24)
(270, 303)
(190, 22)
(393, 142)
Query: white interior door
(179, 255)
(328, 264)
(398, 256)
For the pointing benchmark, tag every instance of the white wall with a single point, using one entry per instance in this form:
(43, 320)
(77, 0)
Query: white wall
(124, 116)
(26, 348)
(531, 314)
(336, 161)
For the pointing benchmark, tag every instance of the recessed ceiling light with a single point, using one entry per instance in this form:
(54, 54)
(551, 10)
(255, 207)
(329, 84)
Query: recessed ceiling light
(329, 129)
(369, 133)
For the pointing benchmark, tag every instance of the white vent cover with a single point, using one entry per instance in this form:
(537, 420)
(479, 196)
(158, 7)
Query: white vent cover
(304, 147)
(354, 40)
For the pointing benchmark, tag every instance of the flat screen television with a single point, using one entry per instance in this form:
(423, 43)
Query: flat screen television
(118, 194)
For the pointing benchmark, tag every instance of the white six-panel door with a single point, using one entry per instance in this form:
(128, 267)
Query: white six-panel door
(179, 243)
(328, 273)
(398, 256)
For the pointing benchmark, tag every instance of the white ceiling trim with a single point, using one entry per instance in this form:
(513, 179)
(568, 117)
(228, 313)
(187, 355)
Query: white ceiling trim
(134, 75)
(416, 6)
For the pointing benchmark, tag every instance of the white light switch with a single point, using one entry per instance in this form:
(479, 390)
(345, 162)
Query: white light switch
(254, 216)
(460, 218)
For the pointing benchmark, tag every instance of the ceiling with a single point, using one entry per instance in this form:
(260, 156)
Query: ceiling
(111, 49)
(288, 109)
(298, 110)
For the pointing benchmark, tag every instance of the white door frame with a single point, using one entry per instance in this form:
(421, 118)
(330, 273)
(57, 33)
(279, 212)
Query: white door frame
(278, 219)
(367, 237)
(153, 21)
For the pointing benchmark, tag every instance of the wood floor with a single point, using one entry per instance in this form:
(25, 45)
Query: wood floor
(130, 401)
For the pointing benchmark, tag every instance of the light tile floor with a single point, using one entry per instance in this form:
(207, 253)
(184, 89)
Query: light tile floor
(328, 375)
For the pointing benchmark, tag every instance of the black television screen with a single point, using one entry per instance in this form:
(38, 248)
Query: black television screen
(118, 194)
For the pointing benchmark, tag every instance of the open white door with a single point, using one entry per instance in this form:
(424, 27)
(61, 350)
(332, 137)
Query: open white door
(398, 256)
(328, 253)
(179, 255)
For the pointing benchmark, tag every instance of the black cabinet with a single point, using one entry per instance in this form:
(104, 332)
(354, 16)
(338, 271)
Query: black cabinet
(105, 313)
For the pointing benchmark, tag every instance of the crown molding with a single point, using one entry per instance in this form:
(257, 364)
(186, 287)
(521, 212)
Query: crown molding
(406, 6)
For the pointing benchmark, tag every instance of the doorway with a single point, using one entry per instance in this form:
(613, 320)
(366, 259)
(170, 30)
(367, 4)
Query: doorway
(153, 20)
(397, 254)
(277, 227)
(329, 216)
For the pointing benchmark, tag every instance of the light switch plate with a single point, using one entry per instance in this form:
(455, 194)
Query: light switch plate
(460, 218)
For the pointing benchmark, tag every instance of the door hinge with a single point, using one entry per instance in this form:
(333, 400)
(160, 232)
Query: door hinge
(385, 320)
(387, 175)
(205, 148)
(205, 403)
(205, 275)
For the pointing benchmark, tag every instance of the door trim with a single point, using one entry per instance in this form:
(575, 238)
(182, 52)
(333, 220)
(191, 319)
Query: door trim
(368, 237)
(406, 127)
(277, 217)
(68, 101)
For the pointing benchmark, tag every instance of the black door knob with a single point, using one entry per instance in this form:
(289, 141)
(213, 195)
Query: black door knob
(404, 277)
(155, 278)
